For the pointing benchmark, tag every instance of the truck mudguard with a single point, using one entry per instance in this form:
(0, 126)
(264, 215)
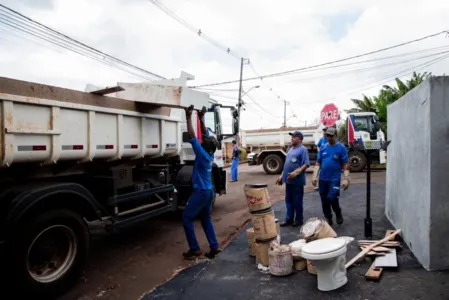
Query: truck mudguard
(19, 200)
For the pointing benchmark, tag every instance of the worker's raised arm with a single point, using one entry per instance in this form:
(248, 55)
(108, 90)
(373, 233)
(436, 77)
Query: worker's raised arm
(202, 121)
(190, 130)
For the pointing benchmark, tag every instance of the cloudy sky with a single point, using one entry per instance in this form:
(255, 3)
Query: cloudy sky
(275, 35)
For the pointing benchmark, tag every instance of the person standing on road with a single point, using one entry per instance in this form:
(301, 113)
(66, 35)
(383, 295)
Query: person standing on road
(321, 143)
(332, 157)
(294, 177)
(200, 202)
(235, 162)
(323, 140)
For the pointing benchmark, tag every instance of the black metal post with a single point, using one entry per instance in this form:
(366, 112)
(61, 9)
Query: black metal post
(368, 221)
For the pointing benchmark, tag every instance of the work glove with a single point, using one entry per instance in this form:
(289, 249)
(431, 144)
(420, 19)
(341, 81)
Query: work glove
(316, 169)
(279, 181)
(346, 180)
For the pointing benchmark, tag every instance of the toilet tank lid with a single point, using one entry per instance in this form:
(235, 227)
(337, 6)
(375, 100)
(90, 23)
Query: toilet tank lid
(323, 246)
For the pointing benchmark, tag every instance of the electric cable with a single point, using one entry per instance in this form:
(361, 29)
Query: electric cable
(18, 17)
(284, 73)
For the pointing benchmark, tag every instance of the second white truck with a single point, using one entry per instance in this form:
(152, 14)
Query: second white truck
(269, 147)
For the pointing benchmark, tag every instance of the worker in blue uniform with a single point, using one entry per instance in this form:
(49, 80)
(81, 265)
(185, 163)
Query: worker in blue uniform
(294, 177)
(235, 162)
(332, 158)
(200, 202)
(321, 142)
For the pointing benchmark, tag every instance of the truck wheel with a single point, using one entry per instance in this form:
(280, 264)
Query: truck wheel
(49, 252)
(357, 161)
(273, 164)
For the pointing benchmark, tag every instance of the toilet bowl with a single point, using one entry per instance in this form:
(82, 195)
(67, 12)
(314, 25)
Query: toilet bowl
(329, 257)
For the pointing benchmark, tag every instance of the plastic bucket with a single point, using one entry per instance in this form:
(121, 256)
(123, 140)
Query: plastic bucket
(311, 267)
(278, 226)
(315, 229)
(264, 225)
(281, 261)
(300, 265)
(257, 197)
(261, 249)
(251, 241)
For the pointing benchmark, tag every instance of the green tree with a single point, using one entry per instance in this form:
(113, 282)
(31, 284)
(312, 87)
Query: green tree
(387, 95)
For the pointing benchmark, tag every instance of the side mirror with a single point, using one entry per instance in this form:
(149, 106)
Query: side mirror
(235, 126)
(234, 112)
(377, 125)
(235, 121)
(375, 119)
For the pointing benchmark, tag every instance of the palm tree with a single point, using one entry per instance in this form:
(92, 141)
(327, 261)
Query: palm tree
(366, 104)
(387, 95)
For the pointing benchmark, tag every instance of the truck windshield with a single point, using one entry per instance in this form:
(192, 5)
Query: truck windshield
(362, 124)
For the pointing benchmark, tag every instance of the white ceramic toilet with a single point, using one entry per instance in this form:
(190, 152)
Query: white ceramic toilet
(329, 257)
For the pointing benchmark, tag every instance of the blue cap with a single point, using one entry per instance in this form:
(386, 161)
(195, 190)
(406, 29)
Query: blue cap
(297, 134)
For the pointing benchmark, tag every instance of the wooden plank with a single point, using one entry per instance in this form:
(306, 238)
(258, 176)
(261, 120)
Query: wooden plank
(42, 91)
(378, 249)
(371, 242)
(108, 90)
(368, 248)
(373, 273)
(390, 260)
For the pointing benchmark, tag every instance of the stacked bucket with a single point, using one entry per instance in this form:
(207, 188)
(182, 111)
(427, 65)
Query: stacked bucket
(315, 229)
(265, 226)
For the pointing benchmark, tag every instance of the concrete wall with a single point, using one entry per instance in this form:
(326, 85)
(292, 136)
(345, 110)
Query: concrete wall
(417, 171)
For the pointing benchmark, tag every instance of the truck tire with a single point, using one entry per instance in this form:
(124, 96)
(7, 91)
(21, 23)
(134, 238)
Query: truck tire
(357, 161)
(49, 251)
(273, 164)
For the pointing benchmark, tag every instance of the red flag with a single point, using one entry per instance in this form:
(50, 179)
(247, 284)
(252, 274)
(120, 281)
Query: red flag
(198, 129)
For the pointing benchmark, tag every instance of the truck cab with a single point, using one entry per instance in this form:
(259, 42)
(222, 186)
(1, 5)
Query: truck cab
(363, 129)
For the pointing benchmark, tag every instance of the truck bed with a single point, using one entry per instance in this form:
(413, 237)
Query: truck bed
(44, 131)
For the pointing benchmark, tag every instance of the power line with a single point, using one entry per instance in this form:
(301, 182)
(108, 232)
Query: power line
(358, 70)
(401, 55)
(261, 107)
(17, 20)
(402, 72)
(284, 73)
(61, 45)
(198, 31)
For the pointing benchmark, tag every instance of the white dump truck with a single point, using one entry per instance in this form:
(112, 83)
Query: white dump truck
(269, 146)
(105, 158)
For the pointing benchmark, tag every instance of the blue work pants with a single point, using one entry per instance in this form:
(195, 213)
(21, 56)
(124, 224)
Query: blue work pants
(234, 169)
(294, 194)
(199, 204)
(329, 193)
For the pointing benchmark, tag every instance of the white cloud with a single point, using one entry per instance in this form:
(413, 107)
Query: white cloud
(276, 36)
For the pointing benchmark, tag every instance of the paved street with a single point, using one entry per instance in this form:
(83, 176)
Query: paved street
(128, 264)
(234, 274)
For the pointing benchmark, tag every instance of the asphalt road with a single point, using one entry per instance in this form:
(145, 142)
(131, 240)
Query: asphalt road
(128, 264)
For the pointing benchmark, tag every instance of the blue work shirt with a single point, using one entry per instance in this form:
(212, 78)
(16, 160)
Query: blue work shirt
(296, 158)
(236, 152)
(331, 158)
(202, 167)
(321, 142)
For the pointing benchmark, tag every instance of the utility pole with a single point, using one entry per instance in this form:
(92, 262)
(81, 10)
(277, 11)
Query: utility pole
(240, 102)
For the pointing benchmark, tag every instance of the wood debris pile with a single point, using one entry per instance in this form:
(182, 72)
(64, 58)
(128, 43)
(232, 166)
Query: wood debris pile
(382, 252)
